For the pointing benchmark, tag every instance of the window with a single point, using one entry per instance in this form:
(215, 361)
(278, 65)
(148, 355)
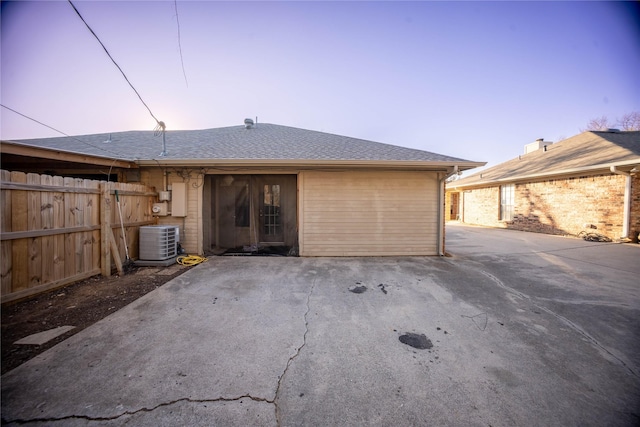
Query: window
(507, 195)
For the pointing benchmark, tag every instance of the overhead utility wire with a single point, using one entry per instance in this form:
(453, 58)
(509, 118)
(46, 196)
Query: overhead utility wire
(34, 120)
(160, 124)
(184, 73)
(117, 156)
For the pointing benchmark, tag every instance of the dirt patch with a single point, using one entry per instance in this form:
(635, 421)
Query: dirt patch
(80, 304)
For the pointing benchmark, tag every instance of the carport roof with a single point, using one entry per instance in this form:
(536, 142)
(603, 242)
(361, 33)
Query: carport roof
(588, 152)
(261, 144)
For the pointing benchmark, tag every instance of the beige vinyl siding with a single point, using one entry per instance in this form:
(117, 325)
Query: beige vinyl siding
(368, 213)
(191, 232)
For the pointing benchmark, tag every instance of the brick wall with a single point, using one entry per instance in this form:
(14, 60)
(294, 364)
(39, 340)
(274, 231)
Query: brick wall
(447, 205)
(634, 220)
(559, 206)
(564, 206)
(481, 206)
(448, 216)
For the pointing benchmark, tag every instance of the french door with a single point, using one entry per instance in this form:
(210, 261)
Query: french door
(250, 210)
(270, 210)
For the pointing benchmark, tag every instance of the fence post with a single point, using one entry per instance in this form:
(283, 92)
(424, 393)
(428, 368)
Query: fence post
(105, 228)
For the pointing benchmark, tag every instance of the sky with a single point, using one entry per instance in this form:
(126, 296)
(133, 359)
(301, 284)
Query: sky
(474, 80)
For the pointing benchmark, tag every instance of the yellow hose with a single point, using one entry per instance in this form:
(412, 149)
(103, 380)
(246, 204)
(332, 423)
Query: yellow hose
(190, 260)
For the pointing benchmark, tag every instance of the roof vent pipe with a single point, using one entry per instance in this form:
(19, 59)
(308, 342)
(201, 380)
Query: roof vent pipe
(248, 123)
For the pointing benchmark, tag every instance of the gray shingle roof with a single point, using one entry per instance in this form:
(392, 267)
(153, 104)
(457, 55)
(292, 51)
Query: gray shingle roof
(587, 151)
(262, 142)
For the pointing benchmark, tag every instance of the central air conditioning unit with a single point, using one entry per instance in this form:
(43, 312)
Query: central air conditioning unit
(159, 242)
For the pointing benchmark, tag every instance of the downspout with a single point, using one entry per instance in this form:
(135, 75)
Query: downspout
(441, 213)
(627, 200)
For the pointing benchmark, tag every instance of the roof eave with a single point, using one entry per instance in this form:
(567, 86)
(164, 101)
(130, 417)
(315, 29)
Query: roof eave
(409, 164)
(26, 150)
(602, 167)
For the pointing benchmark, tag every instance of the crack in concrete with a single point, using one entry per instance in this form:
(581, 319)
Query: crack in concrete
(563, 319)
(190, 400)
(137, 411)
(297, 352)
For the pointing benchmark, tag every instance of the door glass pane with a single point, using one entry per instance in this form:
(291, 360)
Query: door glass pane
(271, 206)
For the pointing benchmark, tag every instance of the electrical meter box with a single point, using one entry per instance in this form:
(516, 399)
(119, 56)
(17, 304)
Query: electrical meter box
(160, 209)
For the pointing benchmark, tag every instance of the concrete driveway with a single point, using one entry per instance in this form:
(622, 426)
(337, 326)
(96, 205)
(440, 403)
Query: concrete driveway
(515, 329)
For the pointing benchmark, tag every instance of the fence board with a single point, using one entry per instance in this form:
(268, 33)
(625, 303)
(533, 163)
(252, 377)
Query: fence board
(52, 229)
(5, 225)
(6, 254)
(19, 248)
(34, 209)
(69, 239)
(105, 224)
(48, 245)
(92, 218)
(131, 233)
(78, 218)
(116, 212)
(86, 237)
(58, 223)
(130, 215)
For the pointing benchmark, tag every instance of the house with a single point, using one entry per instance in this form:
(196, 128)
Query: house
(267, 186)
(590, 182)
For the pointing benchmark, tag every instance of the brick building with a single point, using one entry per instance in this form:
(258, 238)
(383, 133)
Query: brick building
(588, 182)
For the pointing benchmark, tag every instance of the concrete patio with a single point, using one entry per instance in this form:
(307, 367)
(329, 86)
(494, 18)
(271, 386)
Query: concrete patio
(520, 329)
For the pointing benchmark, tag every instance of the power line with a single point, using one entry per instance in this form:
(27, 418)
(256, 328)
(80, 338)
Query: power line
(34, 120)
(161, 124)
(117, 156)
(175, 3)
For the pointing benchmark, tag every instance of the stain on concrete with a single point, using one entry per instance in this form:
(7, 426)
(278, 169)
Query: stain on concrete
(419, 341)
(504, 376)
(382, 288)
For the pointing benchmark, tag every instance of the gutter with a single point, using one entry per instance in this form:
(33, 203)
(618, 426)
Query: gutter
(441, 213)
(627, 200)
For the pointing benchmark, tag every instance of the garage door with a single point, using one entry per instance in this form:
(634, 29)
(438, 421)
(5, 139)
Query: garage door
(368, 213)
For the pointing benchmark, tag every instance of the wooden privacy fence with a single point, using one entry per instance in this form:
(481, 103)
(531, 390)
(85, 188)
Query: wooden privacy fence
(57, 230)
